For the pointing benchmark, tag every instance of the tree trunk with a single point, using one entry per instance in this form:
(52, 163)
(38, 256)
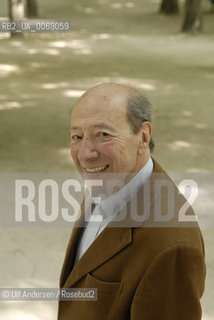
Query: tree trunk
(16, 12)
(31, 9)
(193, 16)
(169, 7)
(212, 6)
(16, 9)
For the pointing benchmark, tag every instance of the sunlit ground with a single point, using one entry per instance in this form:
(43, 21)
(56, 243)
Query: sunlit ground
(42, 75)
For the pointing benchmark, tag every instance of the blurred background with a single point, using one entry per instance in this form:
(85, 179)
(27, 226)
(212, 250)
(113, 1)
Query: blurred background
(164, 48)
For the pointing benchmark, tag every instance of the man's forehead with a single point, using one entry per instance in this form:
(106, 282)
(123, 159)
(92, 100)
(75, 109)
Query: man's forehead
(103, 99)
(102, 102)
(106, 107)
(97, 114)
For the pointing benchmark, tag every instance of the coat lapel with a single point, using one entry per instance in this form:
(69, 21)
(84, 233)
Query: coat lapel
(108, 243)
(70, 252)
(69, 256)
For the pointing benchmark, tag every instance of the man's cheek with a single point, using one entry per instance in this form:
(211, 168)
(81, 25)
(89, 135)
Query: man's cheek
(74, 155)
(113, 147)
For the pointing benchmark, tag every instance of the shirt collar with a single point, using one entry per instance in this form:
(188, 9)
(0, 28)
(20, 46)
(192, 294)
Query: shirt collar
(110, 204)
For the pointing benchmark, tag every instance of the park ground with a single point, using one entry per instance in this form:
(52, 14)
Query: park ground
(42, 75)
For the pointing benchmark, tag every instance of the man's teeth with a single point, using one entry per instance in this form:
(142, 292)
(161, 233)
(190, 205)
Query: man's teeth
(98, 169)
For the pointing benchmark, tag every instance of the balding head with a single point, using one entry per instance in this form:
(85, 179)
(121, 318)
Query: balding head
(109, 93)
(111, 89)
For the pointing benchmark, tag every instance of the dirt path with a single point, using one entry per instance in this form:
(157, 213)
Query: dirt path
(42, 75)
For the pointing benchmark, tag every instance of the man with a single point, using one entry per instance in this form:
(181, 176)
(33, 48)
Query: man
(144, 265)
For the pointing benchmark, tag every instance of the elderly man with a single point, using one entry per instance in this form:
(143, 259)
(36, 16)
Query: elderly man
(143, 265)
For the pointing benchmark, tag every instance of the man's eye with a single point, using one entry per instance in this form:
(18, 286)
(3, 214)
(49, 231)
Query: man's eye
(76, 138)
(103, 134)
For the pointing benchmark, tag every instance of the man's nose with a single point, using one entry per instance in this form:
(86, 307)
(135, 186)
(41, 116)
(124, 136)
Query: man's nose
(87, 150)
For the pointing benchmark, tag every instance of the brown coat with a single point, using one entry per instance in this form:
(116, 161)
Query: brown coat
(154, 272)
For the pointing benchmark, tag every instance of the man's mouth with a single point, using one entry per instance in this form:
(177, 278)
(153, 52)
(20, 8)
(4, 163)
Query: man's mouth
(97, 169)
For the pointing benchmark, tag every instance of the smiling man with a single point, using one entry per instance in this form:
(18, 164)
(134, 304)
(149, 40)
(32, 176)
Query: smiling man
(102, 140)
(142, 269)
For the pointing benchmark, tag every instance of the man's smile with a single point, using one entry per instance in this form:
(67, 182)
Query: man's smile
(96, 169)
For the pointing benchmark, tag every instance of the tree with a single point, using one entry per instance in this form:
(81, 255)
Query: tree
(31, 8)
(16, 9)
(16, 12)
(169, 7)
(193, 16)
(212, 6)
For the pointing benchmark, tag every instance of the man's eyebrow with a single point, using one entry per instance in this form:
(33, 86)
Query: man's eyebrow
(101, 125)
(74, 128)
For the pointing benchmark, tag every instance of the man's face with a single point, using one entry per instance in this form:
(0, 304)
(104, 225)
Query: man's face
(101, 139)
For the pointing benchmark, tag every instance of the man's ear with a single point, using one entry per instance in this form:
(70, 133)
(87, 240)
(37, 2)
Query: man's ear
(145, 136)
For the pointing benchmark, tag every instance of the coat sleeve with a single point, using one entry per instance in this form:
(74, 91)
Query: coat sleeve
(172, 286)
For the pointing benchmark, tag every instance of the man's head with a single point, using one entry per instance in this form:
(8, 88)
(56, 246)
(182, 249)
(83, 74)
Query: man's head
(110, 131)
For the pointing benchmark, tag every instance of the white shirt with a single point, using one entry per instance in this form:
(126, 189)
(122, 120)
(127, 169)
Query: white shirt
(109, 206)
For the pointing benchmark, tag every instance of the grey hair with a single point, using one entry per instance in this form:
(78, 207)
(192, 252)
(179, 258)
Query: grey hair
(139, 110)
